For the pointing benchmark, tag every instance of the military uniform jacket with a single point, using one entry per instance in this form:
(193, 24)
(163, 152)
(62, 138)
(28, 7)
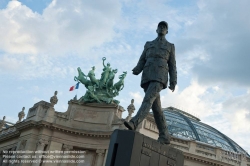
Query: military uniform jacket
(156, 62)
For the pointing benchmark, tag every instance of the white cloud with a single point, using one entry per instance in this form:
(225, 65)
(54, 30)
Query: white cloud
(239, 120)
(237, 111)
(63, 27)
(9, 64)
(216, 107)
(137, 96)
(194, 99)
(34, 66)
(60, 39)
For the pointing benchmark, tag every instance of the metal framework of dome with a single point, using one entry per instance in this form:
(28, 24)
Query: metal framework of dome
(186, 126)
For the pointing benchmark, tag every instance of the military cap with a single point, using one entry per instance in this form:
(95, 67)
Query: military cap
(164, 23)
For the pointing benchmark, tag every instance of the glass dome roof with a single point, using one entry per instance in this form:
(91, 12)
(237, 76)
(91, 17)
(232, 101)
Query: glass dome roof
(187, 126)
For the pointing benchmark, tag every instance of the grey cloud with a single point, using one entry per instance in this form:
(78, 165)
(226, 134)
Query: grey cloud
(221, 30)
(248, 115)
(238, 103)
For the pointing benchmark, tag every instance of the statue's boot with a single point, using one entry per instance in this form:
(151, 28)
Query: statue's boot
(164, 137)
(130, 125)
(151, 93)
(138, 118)
(160, 120)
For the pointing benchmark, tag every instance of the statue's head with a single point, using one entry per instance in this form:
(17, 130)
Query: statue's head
(162, 28)
(3, 117)
(55, 93)
(132, 101)
(108, 64)
(115, 70)
(93, 68)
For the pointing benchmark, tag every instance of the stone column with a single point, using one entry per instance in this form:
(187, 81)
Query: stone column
(5, 161)
(66, 148)
(40, 146)
(192, 147)
(105, 157)
(100, 157)
(20, 146)
(53, 146)
(1, 157)
(218, 152)
(13, 157)
(243, 160)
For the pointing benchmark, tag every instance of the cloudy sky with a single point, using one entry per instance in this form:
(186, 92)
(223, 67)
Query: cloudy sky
(43, 42)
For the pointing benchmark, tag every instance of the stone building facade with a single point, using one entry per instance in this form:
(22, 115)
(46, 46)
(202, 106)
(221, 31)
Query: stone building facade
(87, 128)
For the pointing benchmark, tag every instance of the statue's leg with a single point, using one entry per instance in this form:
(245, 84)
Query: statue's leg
(152, 91)
(160, 121)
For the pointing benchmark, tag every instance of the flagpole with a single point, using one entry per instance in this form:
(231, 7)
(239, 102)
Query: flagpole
(77, 87)
(76, 93)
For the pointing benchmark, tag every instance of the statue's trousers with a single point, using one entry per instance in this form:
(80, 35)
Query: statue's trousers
(152, 99)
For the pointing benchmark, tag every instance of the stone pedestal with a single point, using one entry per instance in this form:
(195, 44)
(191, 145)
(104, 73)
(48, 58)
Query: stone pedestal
(129, 148)
(38, 111)
(79, 116)
(91, 116)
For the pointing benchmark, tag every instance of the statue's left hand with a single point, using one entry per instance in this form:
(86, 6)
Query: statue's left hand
(172, 87)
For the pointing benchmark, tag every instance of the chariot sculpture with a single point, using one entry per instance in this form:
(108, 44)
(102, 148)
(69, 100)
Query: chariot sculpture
(101, 90)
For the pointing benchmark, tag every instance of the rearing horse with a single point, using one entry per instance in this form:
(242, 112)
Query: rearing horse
(82, 78)
(120, 84)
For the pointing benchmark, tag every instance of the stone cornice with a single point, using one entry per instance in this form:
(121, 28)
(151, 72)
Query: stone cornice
(95, 104)
(10, 146)
(207, 161)
(9, 135)
(41, 124)
(150, 117)
(174, 139)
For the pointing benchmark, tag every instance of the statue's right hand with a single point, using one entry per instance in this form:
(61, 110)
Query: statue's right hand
(135, 72)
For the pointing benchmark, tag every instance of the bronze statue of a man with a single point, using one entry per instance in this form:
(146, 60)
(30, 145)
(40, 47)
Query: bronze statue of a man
(156, 62)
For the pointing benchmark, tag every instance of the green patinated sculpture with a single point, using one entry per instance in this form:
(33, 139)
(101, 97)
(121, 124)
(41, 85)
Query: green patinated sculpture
(103, 90)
